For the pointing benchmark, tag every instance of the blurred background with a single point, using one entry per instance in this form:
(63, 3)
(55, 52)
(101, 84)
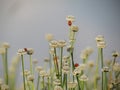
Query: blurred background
(24, 23)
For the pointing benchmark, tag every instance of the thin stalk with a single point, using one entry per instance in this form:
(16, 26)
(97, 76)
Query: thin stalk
(56, 64)
(43, 83)
(61, 54)
(23, 71)
(6, 67)
(31, 68)
(97, 69)
(38, 80)
(66, 81)
(106, 82)
(3, 58)
(78, 82)
(101, 55)
(73, 67)
(48, 83)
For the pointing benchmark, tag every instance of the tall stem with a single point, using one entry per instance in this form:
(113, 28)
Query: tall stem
(6, 67)
(61, 63)
(38, 80)
(31, 68)
(23, 71)
(101, 56)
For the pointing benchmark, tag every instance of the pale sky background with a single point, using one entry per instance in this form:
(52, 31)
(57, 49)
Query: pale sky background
(24, 23)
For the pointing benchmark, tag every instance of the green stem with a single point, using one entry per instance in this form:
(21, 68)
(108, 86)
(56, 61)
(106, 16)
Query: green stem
(43, 83)
(73, 67)
(3, 58)
(57, 67)
(23, 71)
(31, 69)
(48, 83)
(66, 81)
(101, 56)
(97, 69)
(61, 63)
(106, 82)
(6, 67)
(78, 82)
(38, 80)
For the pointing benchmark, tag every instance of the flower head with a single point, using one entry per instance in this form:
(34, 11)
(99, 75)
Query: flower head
(46, 59)
(72, 85)
(83, 78)
(74, 28)
(58, 88)
(105, 69)
(66, 69)
(35, 61)
(30, 78)
(21, 52)
(53, 43)
(70, 18)
(6, 45)
(42, 73)
(77, 71)
(38, 68)
(49, 37)
(101, 44)
(61, 43)
(99, 38)
(30, 51)
(115, 54)
(57, 82)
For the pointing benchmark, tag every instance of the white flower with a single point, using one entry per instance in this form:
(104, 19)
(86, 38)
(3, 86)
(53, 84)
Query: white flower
(83, 78)
(42, 73)
(99, 38)
(21, 52)
(46, 59)
(6, 45)
(38, 68)
(35, 61)
(51, 51)
(30, 77)
(70, 18)
(66, 58)
(61, 43)
(115, 54)
(74, 28)
(101, 44)
(53, 43)
(72, 85)
(58, 88)
(77, 71)
(66, 69)
(30, 51)
(82, 66)
(86, 52)
(90, 63)
(26, 72)
(105, 69)
(57, 82)
(49, 37)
